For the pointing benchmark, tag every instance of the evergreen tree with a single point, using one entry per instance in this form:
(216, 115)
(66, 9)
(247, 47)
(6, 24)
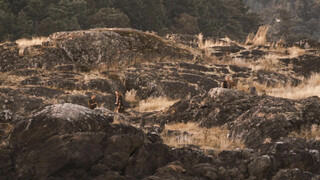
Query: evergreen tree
(63, 16)
(7, 22)
(109, 17)
(25, 18)
(291, 20)
(185, 24)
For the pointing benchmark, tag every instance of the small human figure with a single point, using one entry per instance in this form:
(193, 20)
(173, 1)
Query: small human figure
(92, 102)
(119, 102)
(227, 83)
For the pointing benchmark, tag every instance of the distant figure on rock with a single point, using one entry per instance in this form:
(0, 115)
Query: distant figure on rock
(92, 102)
(119, 102)
(227, 83)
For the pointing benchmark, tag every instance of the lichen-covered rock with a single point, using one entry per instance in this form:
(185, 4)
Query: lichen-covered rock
(59, 119)
(6, 116)
(294, 174)
(263, 166)
(147, 159)
(64, 140)
(46, 131)
(225, 95)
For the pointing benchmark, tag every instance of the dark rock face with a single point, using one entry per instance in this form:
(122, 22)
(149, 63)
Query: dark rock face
(15, 102)
(57, 119)
(304, 65)
(293, 174)
(262, 166)
(6, 163)
(251, 118)
(147, 159)
(70, 141)
(46, 131)
(65, 139)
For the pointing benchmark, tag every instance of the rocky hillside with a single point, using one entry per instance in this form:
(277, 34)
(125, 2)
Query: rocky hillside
(47, 131)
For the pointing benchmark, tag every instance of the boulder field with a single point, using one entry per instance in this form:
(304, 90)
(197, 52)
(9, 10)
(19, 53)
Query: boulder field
(47, 131)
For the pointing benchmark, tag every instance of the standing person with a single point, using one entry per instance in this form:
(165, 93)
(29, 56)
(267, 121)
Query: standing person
(119, 102)
(227, 83)
(92, 102)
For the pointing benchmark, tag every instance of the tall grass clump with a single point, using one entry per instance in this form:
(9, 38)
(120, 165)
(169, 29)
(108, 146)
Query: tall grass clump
(206, 138)
(155, 104)
(131, 98)
(25, 43)
(260, 38)
(212, 43)
(309, 134)
(308, 87)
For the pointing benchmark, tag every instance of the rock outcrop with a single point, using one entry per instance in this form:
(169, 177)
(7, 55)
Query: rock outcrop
(46, 131)
(251, 118)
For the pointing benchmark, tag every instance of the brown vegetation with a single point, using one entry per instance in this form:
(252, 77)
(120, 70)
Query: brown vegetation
(309, 134)
(155, 104)
(309, 87)
(206, 138)
(25, 43)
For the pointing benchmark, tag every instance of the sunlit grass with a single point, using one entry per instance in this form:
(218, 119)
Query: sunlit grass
(309, 87)
(206, 138)
(24, 43)
(309, 134)
(155, 104)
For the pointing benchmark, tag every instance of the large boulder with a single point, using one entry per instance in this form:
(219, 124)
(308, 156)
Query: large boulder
(294, 174)
(147, 159)
(262, 166)
(58, 119)
(104, 45)
(69, 141)
(225, 95)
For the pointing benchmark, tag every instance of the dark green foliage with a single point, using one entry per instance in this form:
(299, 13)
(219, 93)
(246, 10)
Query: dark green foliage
(185, 24)
(26, 18)
(109, 17)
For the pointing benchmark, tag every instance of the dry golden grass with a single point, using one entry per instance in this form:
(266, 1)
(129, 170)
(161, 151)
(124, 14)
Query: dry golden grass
(116, 120)
(131, 98)
(260, 38)
(24, 43)
(89, 76)
(10, 80)
(206, 138)
(155, 104)
(267, 140)
(313, 133)
(289, 52)
(212, 43)
(207, 45)
(295, 52)
(309, 87)
(3, 76)
(269, 62)
(245, 85)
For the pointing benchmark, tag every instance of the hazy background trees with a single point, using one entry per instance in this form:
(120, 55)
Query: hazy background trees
(291, 20)
(217, 18)
(26, 18)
